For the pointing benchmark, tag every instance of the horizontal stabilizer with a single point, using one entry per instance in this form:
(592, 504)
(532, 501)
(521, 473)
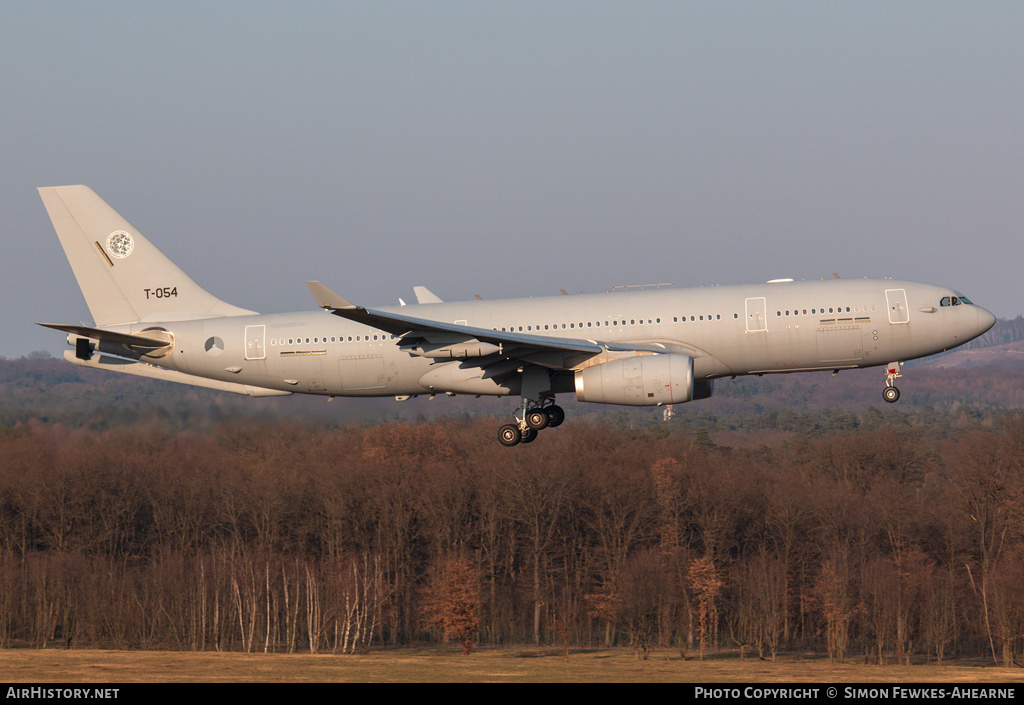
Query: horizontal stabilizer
(109, 336)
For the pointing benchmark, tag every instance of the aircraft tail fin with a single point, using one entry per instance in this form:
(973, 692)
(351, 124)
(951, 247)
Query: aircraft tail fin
(122, 275)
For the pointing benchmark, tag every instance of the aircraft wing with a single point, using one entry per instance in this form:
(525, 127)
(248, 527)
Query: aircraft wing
(509, 344)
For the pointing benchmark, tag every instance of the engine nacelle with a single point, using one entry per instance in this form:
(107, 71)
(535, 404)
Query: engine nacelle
(647, 380)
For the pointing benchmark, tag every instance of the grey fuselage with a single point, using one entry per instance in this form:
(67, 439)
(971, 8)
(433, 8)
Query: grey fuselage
(728, 330)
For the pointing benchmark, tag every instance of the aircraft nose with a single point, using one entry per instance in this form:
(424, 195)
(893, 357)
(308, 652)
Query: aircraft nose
(985, 320)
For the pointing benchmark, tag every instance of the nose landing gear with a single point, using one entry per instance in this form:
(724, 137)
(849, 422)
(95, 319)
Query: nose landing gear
(891, 394)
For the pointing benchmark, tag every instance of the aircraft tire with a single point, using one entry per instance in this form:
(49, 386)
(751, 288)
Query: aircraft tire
(529, 435)
(509, 435)
(891, 394)
(556, 415)
(537, 419)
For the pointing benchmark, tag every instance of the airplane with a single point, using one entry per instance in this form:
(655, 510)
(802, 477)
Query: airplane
(633, 346)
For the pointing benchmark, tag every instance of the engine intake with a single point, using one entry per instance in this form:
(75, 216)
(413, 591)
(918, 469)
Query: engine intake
(648, 380)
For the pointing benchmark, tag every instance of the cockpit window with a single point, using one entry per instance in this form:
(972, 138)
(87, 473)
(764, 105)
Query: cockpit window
(964, 299)
(945, 301)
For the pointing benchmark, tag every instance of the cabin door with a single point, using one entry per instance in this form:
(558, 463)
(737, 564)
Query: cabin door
(896, 299)
(757, 320)
(255, 342)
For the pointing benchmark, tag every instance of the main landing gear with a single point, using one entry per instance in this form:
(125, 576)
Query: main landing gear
(891, 394)
(530, 420)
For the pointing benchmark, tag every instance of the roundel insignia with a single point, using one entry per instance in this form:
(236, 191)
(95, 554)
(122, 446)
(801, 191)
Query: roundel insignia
(120, 244)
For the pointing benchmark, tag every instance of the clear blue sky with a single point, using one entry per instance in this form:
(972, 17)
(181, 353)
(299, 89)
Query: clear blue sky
(515, 148)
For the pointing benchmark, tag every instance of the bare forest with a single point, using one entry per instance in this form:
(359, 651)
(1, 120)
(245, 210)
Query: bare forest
(894, 543)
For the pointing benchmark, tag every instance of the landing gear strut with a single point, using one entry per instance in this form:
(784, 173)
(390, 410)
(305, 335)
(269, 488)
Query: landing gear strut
(531, 418)
(891, 394)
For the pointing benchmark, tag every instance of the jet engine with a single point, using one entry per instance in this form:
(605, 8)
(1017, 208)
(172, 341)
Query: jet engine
(647, 380)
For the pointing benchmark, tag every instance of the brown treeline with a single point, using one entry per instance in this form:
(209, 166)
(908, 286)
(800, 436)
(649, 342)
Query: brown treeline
(883, 544)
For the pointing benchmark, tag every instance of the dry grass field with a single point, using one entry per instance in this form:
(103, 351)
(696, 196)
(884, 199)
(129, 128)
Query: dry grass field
(449, 666)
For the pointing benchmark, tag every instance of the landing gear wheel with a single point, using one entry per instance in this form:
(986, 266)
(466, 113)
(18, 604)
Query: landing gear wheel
(537, 419)
(556, 415)
(891, 394)
(509, 435)
(529, 436)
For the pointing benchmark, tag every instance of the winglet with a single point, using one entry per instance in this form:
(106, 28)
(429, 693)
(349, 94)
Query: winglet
(426, 296)
(325, 298)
